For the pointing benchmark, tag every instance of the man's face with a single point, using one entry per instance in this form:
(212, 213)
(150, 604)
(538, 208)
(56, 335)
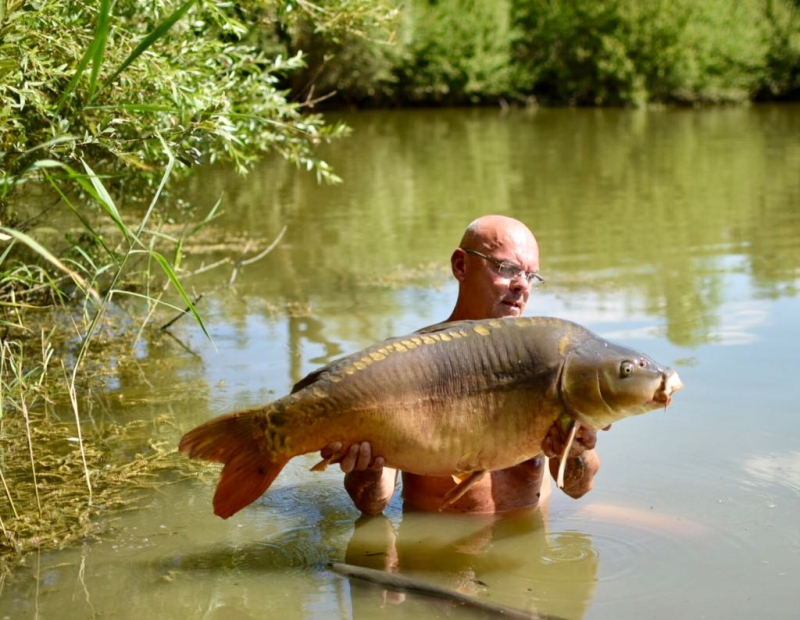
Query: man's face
(491, 293)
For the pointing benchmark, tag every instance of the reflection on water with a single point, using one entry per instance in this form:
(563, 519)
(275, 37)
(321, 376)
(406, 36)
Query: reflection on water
(662, 204)
(675, 232)
(479, 556)
(779, 468)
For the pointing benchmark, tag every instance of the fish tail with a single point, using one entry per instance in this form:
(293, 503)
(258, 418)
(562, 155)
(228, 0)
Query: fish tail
(238, 441)
(244, 479)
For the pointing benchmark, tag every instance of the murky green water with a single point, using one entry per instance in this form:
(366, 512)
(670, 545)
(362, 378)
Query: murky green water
(676, 232)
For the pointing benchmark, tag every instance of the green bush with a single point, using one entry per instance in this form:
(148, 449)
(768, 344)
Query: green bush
(573, 52)
(444, 53)
(112, 83)
(782, 77)
(632, 52)
(453, 52)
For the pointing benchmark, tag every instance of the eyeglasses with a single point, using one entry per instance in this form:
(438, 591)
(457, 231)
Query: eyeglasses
(509, 270)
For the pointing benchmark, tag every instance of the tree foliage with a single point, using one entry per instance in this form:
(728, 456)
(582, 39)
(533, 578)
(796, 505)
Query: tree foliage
(576, 52)
(634, 52)
(108, 82)
(783, 54)
(454, 51)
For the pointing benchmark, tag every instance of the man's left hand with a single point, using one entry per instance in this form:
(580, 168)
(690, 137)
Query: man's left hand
(556, 439)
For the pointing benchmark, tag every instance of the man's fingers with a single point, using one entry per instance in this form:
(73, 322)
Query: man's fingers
(555, 440)
(586, 437)
(348, 462)
(547, 446)
(330, 450)
(356, 457)
(364, 456)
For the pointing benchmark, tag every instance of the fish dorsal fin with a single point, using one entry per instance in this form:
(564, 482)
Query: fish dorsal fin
(312, 377)
(315, 375)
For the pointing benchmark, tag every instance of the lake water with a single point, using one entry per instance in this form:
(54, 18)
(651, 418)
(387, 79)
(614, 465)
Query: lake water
(676, 232)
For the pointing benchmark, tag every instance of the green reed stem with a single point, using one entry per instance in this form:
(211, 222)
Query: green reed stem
(8, 495)
(30, 452)
(73, 399)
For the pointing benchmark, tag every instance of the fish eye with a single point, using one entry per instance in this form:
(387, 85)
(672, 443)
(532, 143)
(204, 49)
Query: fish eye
(626, 369)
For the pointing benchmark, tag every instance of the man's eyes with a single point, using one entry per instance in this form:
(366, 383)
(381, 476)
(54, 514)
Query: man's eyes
(509, 270)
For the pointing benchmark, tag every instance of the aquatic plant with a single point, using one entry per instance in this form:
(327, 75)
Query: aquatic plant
(102, 104)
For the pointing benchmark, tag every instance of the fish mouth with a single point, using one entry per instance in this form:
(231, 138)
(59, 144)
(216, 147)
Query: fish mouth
(670, 383)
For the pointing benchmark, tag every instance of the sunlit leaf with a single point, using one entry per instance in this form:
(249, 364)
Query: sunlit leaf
(99, 45)
(48, 256)
(151, 38)
(167, 268)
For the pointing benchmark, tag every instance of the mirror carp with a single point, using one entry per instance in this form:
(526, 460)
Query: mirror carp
(459, 399)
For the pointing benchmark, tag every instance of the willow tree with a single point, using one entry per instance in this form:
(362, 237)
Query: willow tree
(99, 102)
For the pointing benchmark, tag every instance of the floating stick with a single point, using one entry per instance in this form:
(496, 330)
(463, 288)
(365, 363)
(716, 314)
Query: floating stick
(393, 581)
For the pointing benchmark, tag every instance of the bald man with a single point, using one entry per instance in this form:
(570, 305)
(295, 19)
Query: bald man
(496, 265)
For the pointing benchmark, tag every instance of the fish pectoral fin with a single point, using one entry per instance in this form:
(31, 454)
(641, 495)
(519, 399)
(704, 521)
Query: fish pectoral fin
(334, 458)
(323, 464)
(464, 484)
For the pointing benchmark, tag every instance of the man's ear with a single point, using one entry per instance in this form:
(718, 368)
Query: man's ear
(458, 264)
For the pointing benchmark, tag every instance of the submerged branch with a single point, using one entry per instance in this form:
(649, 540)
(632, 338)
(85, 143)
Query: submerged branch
(249, 261)
(188, 309)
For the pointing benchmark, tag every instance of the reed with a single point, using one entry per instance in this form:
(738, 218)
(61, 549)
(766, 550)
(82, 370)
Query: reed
(50, 504)
(101, 101)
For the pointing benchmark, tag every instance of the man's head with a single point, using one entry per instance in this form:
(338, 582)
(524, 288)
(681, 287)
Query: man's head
(485, 290)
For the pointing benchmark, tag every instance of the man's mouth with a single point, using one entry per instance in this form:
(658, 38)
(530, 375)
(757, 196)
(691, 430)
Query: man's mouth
(513, 306)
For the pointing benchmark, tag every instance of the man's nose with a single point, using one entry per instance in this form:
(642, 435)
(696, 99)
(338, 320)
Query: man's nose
(520, 282)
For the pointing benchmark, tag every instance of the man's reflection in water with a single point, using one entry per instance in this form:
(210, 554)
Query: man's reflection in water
(507, 558)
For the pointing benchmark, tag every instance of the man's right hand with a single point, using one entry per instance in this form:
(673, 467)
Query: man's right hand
(369, 484)
(354, 458)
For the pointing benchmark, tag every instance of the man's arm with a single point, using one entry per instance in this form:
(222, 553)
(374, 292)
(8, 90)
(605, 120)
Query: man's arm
(368, 483)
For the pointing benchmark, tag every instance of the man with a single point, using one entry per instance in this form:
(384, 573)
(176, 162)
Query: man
(496, 265)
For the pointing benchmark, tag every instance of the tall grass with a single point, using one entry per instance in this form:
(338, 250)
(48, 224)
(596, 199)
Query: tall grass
(97, 99)
(90, 275)
(28, 383)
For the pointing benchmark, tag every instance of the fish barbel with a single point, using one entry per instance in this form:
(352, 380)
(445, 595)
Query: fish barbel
(457, 399)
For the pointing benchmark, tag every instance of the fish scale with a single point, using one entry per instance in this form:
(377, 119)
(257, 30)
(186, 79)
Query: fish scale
(455, 399)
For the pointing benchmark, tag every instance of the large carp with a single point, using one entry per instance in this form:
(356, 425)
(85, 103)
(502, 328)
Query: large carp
(458, 399)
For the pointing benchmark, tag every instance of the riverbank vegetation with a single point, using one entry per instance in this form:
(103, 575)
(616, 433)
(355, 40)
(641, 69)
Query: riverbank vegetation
(582, 52)
(104, 105)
